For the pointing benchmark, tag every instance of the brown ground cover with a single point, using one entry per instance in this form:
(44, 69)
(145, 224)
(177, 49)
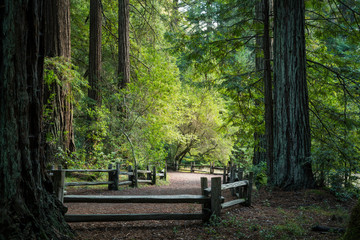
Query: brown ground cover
(273, 214)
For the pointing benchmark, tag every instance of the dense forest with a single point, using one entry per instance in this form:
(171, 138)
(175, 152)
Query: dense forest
(268, 85)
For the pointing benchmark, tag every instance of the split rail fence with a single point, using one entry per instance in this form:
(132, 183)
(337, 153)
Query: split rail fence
(210, 198)
(113, 182)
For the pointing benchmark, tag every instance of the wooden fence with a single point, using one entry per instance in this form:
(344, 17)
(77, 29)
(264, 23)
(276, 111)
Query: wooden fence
(230, 173)
(211, 200)
(113, 176)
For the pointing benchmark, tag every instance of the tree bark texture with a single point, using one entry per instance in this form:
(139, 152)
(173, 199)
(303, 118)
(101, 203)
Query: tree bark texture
(268, 98)
(95, 51)
(57, 96)
(292, 166)
(124, 43)
(259, 138)
(29, 210)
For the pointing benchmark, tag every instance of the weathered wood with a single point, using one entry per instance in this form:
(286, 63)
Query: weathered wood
(125, 183)
(126, 173)
(87, 183)
(234, 184)
(206, 207)
(230, 185)
(154, 176)
(113, 185)
(144, 171)
(131, 177)
(144, 181)
(59, 183)
(87, 170)
(135, 179)
(218, 168)
(148, 175)
(249, 189)
(200, 199)
(239, 190)
(216, 196)
(232, 179)
(132, 217)
(224, 175)
(232, 203)
(116, 177)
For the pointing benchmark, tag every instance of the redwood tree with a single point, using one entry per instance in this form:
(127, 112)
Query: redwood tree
(292, 165)
(95, 51)
(57, 96)
(124, 43)
(29, 210)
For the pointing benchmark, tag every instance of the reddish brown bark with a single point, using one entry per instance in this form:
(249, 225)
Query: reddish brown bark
(57, 97)
(28, 208)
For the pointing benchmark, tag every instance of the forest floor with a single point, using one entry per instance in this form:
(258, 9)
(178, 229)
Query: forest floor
(273, 214)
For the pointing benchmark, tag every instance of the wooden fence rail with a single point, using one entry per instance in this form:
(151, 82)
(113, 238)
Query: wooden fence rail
(210, 198)
(113, 176)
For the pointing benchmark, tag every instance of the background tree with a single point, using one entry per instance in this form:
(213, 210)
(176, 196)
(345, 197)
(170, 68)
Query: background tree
(124, 43)
(95, 52)
(29, 210)
(58, 121)
(292, 163)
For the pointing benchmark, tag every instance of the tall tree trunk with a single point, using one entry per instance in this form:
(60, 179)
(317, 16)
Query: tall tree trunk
(259, 138)
(268, 99)
(57, 96)
(124, 43)
(292, 165)
(29, 210)
(95, 52)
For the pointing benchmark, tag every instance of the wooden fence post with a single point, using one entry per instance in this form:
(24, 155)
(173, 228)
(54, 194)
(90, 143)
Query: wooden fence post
(249, 190)
(154, 176)
(232, 178)
(148, 175)
(224, 175)
(111, 178)
(131, 177)
(240, 190)
(135, 176)
(216, 196)
(116, 177)
(59, 183)
(206, 207)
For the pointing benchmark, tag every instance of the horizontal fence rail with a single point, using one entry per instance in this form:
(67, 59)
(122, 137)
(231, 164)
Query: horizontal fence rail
(211, 199)
(137, 199)
(113, 176)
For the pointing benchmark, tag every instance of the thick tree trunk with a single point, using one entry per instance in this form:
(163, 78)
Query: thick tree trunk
(292, 165)
(124, 43)
(57, 96)
(95, 51)
(28, 208)
(353, 228)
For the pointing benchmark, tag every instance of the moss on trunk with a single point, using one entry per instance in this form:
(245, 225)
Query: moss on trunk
(353, 229)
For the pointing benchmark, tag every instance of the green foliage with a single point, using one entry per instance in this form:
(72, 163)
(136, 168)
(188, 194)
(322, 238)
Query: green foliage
(260, 174)
(195, 94)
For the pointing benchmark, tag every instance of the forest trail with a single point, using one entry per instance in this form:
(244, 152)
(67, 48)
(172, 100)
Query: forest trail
(273, 214)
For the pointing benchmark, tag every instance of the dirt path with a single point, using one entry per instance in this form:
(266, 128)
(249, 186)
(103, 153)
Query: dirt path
(273, 214)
